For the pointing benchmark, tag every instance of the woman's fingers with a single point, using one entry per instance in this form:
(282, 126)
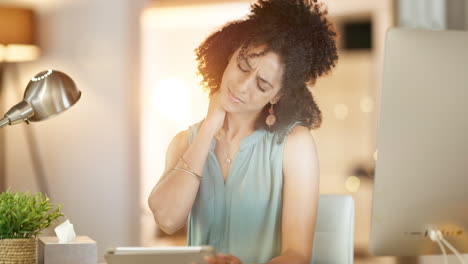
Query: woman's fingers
(216, 112)
(232, 259)
(220, 258)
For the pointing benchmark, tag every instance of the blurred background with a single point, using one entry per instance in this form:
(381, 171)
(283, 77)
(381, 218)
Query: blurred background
(133, 60)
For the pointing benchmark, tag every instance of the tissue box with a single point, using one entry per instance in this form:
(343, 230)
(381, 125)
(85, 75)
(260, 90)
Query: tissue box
(82, 250)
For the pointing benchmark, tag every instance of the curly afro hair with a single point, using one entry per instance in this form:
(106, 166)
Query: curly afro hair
(297, 30)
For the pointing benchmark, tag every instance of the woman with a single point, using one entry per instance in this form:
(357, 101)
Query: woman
(247, 176)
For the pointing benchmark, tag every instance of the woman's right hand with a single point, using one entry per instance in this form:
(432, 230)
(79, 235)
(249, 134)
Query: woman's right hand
(216, 113)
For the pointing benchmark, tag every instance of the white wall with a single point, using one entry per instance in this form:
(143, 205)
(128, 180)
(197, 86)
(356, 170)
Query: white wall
(89, 153)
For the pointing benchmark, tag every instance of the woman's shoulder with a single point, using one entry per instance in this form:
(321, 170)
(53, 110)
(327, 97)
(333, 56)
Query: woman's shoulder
(291, 130)
(182, 135)
(299, 139)
(180, 141)
(299, 135)
(300, 156)
(298, 129)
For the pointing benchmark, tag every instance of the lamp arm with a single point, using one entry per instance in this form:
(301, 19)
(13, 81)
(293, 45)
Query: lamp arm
(19, 113)
(4, 122)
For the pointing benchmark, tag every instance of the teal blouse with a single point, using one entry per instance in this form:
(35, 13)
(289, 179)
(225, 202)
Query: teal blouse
(241, 217)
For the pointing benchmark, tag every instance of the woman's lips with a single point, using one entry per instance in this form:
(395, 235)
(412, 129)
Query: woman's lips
(234, 98)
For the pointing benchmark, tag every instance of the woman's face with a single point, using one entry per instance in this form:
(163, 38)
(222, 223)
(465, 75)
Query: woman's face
(249, 84)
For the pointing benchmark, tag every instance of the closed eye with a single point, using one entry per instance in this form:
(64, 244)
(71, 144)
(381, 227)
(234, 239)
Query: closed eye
(240, 68)
(258, 82)
(259, 87)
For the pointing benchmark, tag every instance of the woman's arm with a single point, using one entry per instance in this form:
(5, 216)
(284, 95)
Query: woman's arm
(300, 197)
(172, 198)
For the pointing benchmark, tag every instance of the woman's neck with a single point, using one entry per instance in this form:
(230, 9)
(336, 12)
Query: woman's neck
(236, 127)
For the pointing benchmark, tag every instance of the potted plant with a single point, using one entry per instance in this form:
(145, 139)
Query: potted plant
(22, 217)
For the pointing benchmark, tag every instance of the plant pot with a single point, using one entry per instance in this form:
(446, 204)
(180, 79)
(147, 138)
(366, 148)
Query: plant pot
(18, 251)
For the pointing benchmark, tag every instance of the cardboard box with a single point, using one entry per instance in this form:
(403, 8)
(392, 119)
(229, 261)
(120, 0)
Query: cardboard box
(82, 250)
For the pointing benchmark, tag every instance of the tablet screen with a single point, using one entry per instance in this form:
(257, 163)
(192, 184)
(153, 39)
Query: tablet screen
(149, 250)
(145, 255)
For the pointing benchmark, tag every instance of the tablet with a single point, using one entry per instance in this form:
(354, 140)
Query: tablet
(145, 255)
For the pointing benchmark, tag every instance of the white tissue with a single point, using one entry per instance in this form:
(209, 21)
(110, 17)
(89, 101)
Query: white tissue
(65, 232)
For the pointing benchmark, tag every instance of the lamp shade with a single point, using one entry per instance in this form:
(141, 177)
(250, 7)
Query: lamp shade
(17, 35)
(47, 94)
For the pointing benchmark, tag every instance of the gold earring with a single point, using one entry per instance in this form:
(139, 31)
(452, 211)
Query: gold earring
(271, 118)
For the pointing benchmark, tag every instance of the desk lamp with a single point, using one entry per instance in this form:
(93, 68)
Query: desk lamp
(47, 94)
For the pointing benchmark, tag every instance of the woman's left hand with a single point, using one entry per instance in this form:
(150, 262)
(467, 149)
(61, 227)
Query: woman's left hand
(220, 258)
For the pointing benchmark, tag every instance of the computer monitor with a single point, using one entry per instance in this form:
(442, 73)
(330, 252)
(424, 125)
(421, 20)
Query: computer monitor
(421, 175)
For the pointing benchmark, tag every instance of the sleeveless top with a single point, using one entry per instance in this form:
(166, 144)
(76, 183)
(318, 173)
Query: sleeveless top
(241, 217)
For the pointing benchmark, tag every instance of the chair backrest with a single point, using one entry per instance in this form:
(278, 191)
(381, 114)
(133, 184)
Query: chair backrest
(334, 231)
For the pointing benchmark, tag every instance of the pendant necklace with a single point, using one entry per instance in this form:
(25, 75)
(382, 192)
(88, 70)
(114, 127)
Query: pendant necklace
(228, 158)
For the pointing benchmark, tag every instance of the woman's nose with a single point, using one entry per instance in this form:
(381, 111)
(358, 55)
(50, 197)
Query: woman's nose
(244, 82)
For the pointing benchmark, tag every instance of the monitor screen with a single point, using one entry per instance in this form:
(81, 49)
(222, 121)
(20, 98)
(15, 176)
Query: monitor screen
(421, 176)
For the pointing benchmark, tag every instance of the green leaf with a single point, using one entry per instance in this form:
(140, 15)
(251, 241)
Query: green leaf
(25, 215)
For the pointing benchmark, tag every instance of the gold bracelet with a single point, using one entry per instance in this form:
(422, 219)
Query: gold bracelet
(185, 163)
(189, 172)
